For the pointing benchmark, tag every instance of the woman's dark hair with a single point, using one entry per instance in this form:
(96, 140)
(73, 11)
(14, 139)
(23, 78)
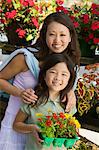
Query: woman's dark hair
(72, 49)
(52, 59)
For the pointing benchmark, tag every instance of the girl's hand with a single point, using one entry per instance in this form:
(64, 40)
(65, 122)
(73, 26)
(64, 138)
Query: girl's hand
(28, 96)
(36, 135)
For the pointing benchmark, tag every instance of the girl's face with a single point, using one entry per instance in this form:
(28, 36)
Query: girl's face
(57, 37)
(57, 77)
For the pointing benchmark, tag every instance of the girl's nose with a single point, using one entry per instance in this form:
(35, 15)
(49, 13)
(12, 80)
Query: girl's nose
(57, 77)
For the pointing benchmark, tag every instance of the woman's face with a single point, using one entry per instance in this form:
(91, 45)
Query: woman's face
(57, 77)
(57, 37)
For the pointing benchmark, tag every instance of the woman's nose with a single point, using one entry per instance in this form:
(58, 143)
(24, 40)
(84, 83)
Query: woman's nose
(57, 38)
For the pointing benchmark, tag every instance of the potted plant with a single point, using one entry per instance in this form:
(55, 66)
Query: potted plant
(59, 129)
(21, 19)
(87, 93)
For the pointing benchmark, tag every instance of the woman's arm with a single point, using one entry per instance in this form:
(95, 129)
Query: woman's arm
(71, 101)
(16, 66)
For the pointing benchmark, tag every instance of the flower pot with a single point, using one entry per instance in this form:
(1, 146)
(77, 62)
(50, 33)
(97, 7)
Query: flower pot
(48, 141)
(69, 142)
(58, 142)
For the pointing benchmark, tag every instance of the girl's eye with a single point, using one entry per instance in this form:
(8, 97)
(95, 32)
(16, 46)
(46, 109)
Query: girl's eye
(51, 34)
(52, 71)
(63, 74)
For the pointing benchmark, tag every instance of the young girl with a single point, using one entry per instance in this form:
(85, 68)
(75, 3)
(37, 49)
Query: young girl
(56, 78)
(57, 35)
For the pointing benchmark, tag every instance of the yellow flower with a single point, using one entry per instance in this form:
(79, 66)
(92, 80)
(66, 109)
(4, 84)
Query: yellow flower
(39, 114)
(68, 115)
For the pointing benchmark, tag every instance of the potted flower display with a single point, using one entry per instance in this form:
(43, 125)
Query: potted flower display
(87, 90)
(59, 129)
(21, 19)
(85, 18)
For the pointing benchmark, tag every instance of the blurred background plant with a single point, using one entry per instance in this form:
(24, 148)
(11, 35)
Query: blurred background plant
(85, 16)
(25, 16)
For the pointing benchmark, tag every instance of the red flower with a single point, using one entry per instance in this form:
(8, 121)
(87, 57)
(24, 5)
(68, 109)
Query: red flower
(48, 117)
(48, 123)
(61, 115)
(96, 40)
(61, 8)
(40, 119)
(61, 125)
(55, 116)
(76, 24)
(86, 18)
(95, 25)
(91, 36)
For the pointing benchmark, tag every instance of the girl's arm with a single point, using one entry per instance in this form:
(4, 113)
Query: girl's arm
(20, 126)
(16, 66)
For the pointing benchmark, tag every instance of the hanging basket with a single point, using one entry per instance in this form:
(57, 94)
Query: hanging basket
(12, 36)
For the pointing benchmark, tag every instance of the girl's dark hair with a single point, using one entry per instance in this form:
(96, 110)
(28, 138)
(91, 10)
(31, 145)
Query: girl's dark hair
(52, 59)
(72, 49)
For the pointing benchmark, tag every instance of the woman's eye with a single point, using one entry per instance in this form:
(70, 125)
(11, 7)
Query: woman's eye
(63, 34)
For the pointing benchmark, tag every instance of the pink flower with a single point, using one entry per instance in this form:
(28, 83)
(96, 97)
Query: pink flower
(9, 1)
(59, 2)
(10, 15)
(21, 33)
(35, 22)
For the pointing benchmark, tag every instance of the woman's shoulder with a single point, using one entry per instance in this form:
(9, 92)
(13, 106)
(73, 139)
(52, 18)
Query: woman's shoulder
(19, 61)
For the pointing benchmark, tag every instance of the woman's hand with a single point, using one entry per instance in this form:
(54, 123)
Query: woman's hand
(71, 101)
(28, 96)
